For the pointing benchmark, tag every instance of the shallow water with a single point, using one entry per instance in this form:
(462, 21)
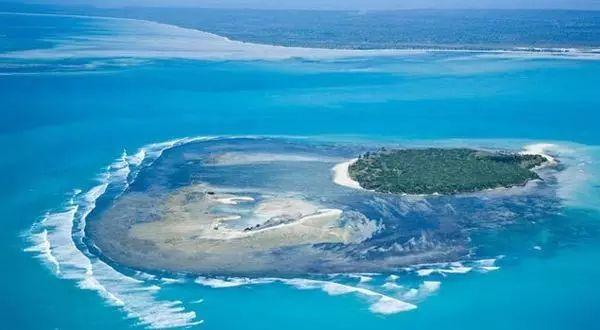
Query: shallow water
(174, 205)
(63, 121)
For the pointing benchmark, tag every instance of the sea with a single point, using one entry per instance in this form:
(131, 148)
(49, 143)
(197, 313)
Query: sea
(89, 101)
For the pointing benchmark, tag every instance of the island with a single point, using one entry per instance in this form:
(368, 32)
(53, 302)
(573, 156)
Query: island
(252, 207)
(442, 170)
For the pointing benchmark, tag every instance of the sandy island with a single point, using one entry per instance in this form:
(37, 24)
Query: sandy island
(341, 174)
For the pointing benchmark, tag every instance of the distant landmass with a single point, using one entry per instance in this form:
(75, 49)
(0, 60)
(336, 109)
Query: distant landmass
(443, 171)
(430, 29)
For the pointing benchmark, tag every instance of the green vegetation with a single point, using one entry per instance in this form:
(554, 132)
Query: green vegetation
(444, 171)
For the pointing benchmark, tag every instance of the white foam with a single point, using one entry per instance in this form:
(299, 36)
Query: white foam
(486, 269)
(389, 305)
(167, 280)
(382, 304)
(485, 265)
(392, 286)
(426, 271)
(42, 246)
(144, 276)
(231, 282)
(541, 149)
(364, 279)
(458, 267)
(579, 179)
(392, 277)
(430, 286)
(58, 246)
(424, 290)
(90, 199)
(137, 158)
(486, 262)
(335, 289)
(135, 297)
(55, 239)
(454, 268)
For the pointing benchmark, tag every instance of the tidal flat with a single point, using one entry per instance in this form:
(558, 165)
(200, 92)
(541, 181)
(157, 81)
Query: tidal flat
(272, 207)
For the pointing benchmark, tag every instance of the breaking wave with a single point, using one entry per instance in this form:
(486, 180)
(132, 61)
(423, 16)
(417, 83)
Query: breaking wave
(58, 240)
(383, 292)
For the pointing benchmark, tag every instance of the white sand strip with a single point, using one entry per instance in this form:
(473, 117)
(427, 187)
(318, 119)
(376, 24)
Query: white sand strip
(234, 200)
(342, 177)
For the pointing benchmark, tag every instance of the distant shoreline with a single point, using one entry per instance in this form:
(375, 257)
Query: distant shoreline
(213, 44)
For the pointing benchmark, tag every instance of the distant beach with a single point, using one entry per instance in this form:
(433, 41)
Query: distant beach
(342, 177)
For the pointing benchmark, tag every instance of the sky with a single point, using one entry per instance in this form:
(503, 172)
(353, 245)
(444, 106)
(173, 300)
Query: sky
(339, 4)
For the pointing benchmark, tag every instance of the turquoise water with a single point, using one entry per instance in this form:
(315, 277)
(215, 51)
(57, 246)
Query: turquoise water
(64, 119)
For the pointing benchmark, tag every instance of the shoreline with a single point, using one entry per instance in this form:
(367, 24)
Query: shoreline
(210, 46)
(341, 175)
(539, 149)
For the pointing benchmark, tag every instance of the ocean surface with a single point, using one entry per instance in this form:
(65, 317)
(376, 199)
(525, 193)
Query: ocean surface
(88, 103)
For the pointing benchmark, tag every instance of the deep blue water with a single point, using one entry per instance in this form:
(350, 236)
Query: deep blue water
(390, 29)
(62, 121)
(473, 29)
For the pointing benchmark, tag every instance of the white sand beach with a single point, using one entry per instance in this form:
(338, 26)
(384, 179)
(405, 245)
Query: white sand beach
(342, 177)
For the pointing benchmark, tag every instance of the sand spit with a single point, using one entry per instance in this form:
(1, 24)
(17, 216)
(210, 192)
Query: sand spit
(342, 177)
